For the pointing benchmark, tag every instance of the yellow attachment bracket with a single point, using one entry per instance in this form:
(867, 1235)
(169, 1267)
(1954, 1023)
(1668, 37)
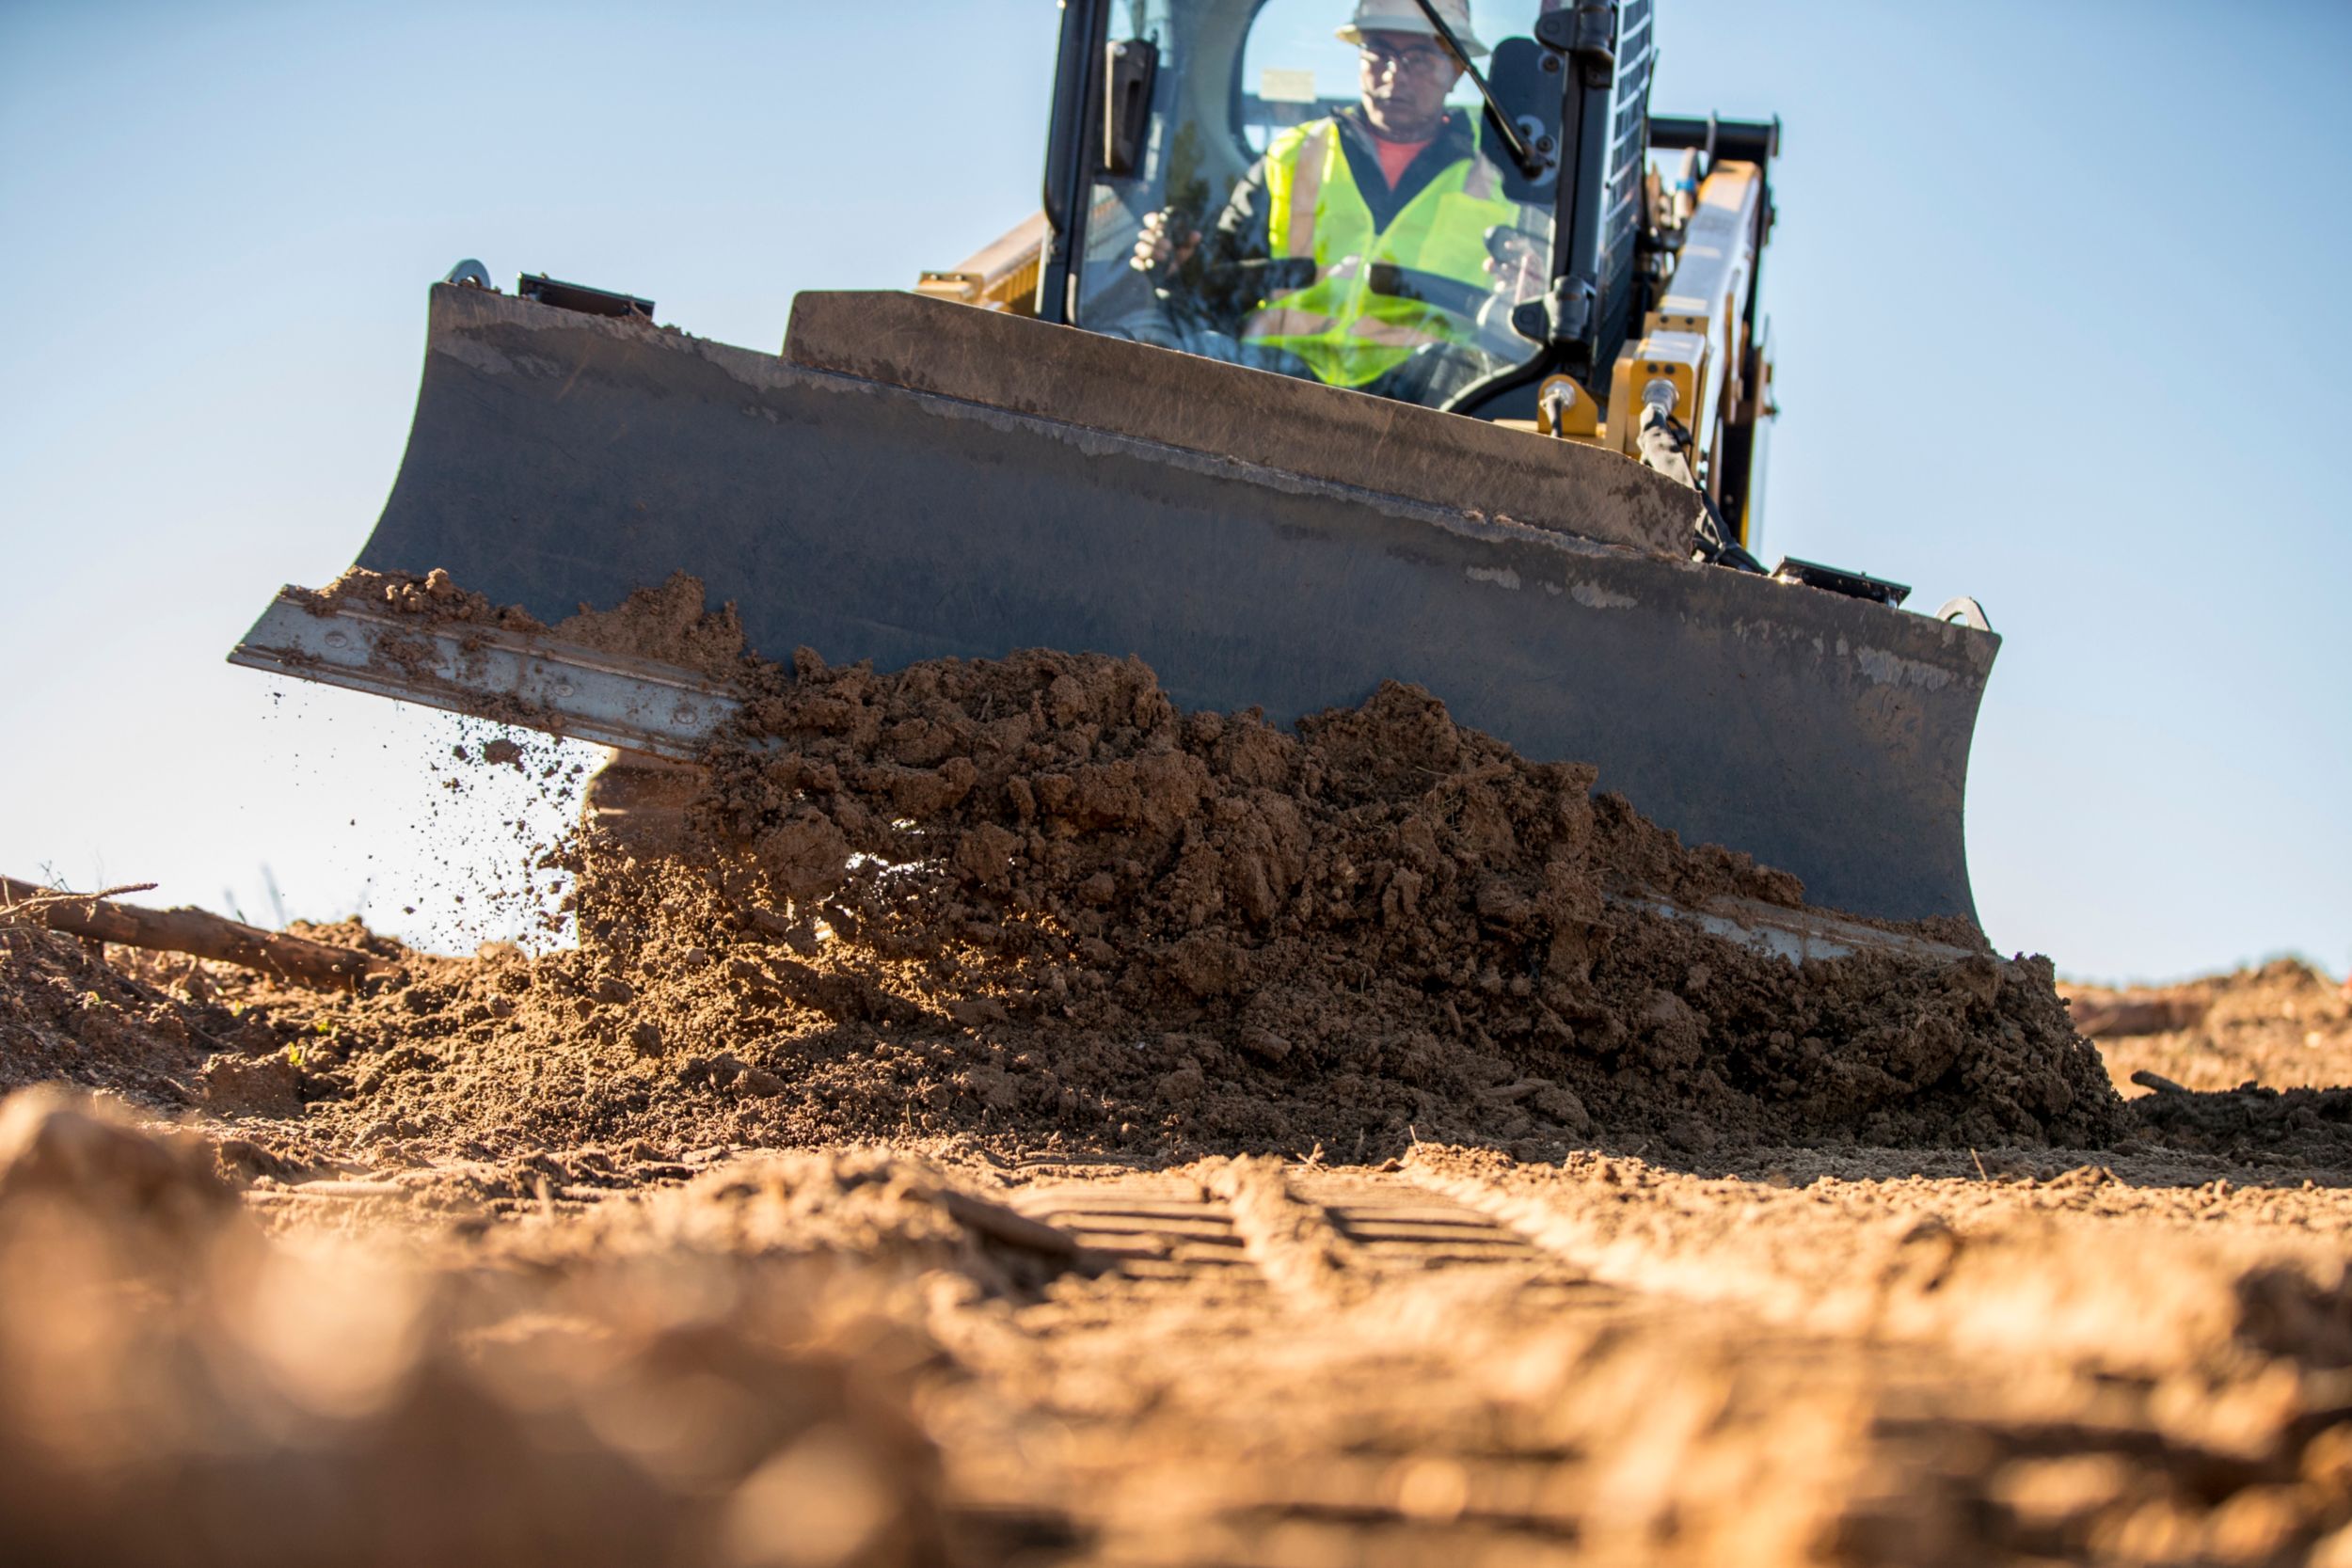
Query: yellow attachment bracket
(1001, 276)
(1565, 409)
(1677, 358)
(958, 288)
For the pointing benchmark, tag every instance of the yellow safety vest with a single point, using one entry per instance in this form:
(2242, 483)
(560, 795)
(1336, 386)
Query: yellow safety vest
(1349, 333)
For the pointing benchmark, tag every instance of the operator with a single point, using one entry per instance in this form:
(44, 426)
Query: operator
(1356, 249)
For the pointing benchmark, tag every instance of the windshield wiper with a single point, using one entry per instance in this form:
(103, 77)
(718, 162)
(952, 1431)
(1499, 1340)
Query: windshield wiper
(1521, 154)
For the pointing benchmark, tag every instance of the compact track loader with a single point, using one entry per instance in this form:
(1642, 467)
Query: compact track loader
(1545, 508)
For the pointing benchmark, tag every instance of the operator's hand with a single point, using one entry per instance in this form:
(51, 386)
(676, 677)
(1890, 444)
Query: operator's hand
(1161, 245)
(1514, 264)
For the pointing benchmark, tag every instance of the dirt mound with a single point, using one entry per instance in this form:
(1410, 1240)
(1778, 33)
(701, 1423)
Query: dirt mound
(2247, 1065)
(2252, 1122)
(2283, 1023)
(1029, 902)
(1384, 925)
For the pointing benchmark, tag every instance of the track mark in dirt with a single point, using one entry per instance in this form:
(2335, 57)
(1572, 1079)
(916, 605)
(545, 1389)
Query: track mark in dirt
(1147, 1226)
(1539, 1226)
(1400, 1228)
(2060, 1271)
(1292, 1242)
(1412, 1387)
(1323, 1238)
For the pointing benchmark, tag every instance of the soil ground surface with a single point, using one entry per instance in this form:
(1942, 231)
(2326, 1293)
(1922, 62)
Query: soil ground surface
(992, 1117)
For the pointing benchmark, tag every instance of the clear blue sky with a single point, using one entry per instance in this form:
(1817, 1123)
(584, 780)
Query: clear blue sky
(2058, 293)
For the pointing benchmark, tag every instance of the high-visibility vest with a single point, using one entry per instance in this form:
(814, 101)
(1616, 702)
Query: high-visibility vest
(1376, 298)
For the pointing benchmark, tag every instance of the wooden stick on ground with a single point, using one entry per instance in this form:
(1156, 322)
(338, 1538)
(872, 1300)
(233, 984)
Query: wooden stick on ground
(317, 964)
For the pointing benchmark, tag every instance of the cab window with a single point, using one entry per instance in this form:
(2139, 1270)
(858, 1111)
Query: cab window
(1317, 199)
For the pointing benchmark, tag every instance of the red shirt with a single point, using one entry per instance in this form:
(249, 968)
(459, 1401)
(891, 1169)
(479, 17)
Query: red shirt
(1397, 156)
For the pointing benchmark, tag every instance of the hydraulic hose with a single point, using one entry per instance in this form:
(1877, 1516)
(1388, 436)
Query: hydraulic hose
(1666, 447)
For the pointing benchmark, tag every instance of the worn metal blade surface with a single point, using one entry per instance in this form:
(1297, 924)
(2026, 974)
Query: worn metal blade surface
(913, 478)
(527, 678)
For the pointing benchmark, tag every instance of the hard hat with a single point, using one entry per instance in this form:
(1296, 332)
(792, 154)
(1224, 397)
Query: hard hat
(1404, 16)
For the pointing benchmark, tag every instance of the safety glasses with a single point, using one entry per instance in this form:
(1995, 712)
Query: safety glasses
(1419, 59)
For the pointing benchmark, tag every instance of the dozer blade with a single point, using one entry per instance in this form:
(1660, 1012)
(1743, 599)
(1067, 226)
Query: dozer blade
(913, 478)
(665, 711)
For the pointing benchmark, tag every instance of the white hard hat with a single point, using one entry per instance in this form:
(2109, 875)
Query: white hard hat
(1404, 16)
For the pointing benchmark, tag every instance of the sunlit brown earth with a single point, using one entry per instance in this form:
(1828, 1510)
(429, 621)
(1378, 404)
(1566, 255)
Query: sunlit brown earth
(2284, 1024)
(1021, 1124)
(944, 1351)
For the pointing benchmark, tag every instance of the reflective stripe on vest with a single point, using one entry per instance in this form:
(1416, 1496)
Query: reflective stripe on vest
(1372, 329)
(1278, 320)
(1364, 314)
(1304, 174)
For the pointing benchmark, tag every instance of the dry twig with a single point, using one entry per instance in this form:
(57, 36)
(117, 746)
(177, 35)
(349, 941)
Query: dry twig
(95, 917)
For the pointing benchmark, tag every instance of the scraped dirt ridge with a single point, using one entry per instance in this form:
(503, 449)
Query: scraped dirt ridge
(668, 623)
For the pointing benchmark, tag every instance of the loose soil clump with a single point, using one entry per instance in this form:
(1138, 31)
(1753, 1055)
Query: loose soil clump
(690, 1381)
(667, 624)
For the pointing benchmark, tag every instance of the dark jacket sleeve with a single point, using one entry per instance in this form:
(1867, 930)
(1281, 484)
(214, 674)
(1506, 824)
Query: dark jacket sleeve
(1226, 278)
(1241, 230)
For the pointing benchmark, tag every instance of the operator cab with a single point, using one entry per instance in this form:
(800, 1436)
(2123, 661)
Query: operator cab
(1515, 257)
(1416, 298)
(1560, 259)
